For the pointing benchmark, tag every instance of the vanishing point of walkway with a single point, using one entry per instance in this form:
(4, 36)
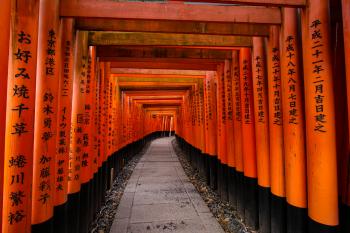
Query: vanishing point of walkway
(160, 198)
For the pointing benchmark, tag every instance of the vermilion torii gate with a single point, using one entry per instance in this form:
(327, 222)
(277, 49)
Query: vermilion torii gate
(265, 123)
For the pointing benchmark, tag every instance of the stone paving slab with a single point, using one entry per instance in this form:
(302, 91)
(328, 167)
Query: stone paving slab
(159, 197)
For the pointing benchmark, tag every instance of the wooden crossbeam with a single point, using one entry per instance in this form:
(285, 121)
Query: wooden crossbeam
(210, 28)
(167, 39)
(164, 65)
(169, 11)
(121, 71)
(281, 3)
(108, 52)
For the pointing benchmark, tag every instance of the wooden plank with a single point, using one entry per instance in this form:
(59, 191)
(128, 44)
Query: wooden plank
(210, 28)
(281, 3)
(106, 52)
(167, 39)
(169, 11)
(165, 65)
(119, 71)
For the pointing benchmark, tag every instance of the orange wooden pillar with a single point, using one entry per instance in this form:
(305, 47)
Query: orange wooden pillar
(345, 212)
(86, 172)
(221, 135)
(211, 121)
(77, 121)
(20, 110)
(230, 168)
(261, 132)
(237, 126)
(201, 142)
(320, 119)
(293, 124)
(248, 140)
(278, 201)
(46, 100)
(63, 125)
(106, 141)
(5, 15)
(98, 140)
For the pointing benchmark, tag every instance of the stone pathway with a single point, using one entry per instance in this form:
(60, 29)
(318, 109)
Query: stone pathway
(160, 198)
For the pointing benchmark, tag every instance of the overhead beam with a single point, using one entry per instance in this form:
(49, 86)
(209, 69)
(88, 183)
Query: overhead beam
(169, 11)
(280, 3)
(164, 65)
(120, 71)
(167, 39)
(210, 28)
(163, 76)
(106, 52)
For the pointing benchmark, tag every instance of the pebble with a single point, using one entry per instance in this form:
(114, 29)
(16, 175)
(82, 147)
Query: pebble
(105, 217)
(227, 217)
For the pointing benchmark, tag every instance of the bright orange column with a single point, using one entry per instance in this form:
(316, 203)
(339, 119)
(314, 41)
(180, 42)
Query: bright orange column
(221, 135)
(211, 124)
(248, 139)
(20, 109)
(229, 115)
(100, 102)
(346, 162)
(79, 77)
(237, 126)
(278, 210)
(77, 122)
(261, 132)
(5, 15)
(63, 123)
(46, 100)
(86, 170)
(320, 118)
(230, 172)
(293, 123)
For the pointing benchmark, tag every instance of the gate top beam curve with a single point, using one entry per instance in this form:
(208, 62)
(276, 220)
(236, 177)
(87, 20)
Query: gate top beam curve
(170, 11)
(279, 3)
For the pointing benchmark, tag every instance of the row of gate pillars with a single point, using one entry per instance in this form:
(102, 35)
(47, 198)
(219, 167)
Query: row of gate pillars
(278, 142)
(270, 132)
(65, 129)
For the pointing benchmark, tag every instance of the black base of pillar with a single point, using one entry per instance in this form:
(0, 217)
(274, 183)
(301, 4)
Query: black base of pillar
(104, 181)
(321, 228)
(73, 207)
(60, 220)
(344, 218)
(240, 193)
(213, 172)
(206, 168)
(46, 227)
(232, 189)
(84, 208)
(224, 187)
(264, 209)
(296, 219)
(278, 214)
(251, 202)
(94, 200)
(219, 176)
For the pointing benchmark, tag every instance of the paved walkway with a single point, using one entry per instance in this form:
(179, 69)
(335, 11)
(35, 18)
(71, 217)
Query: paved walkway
(160, 198)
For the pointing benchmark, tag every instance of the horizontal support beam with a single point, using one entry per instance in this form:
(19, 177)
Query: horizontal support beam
(108, 52)
(280, 3)
(154, 93)
(165, 65)
(121, 71)
(210, 28)
(169, 11)
(167, 39)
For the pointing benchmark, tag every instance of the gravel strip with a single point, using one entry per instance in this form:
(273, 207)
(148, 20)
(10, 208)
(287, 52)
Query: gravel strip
(228, 218)
(105, 217)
